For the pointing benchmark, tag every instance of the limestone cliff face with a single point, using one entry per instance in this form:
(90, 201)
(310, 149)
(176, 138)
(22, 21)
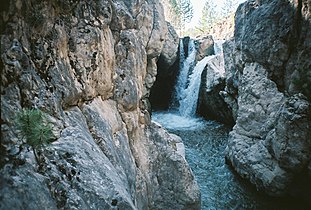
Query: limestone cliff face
(268, 75)
(89, 66)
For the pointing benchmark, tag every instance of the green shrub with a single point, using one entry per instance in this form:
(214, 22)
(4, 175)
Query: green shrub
(34, 128)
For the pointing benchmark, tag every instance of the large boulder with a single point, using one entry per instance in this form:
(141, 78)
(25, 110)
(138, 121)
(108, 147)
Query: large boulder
(89, 66)
(267, 68)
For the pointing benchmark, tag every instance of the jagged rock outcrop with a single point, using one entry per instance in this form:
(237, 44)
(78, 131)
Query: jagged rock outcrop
(211, 104)
(169, 53)
(89, 66)
(233, 69)
(267, 69)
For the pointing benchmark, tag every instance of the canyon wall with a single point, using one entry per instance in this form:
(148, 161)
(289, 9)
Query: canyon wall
(167, 66)
(268, 76)
(89, 66)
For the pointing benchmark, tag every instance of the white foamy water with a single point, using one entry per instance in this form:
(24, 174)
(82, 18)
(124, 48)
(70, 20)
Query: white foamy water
(185, 65)
(190, 96)
(174, 121)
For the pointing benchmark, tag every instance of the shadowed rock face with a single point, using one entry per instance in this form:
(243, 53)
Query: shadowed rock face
(168, 65)
(89, 65)
(266, 65)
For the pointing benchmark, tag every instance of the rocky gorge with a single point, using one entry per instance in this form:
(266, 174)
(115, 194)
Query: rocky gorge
(88, 66)
(96, 69)
(261, 85)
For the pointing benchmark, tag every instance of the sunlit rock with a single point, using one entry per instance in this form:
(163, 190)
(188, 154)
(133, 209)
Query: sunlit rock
(89, 65)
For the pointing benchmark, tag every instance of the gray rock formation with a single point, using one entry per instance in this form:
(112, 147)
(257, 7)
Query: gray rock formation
(233, 69)
(211, 104)
(205, 47)
(169, 52)
(89, 66)
(267, 69)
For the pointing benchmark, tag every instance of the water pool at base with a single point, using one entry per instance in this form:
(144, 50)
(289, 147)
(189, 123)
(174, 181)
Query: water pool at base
(221, 188)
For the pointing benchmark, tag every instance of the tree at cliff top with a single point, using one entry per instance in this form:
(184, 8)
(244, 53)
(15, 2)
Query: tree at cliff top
(209, 16)
(178, 13)
(228, 8)
(215, 20)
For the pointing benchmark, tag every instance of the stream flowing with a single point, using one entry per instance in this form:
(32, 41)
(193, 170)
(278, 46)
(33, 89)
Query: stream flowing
(221, 188)
(205, 143)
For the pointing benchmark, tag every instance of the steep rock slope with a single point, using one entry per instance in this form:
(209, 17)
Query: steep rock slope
(268, 78)
(89, 66)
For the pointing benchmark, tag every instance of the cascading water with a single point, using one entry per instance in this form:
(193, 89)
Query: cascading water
(185, 99)
(189, 94)
(188, 83)
(185, 66)
(189, 99)
(181, 53)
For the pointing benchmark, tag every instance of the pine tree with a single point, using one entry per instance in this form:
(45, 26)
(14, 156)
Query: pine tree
(182, 13)
(33, 127)
(209, 16)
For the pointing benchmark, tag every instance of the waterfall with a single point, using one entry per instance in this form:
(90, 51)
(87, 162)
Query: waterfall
(185, 65)
(181, 53)
(188, 83)
(189, 102)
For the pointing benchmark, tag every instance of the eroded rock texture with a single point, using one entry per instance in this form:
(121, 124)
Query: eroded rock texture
(89, 66)
(268, 75)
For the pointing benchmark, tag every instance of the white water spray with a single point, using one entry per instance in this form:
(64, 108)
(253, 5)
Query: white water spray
(187, 91)
(185, 65)
(189, 102)
(188, 84)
